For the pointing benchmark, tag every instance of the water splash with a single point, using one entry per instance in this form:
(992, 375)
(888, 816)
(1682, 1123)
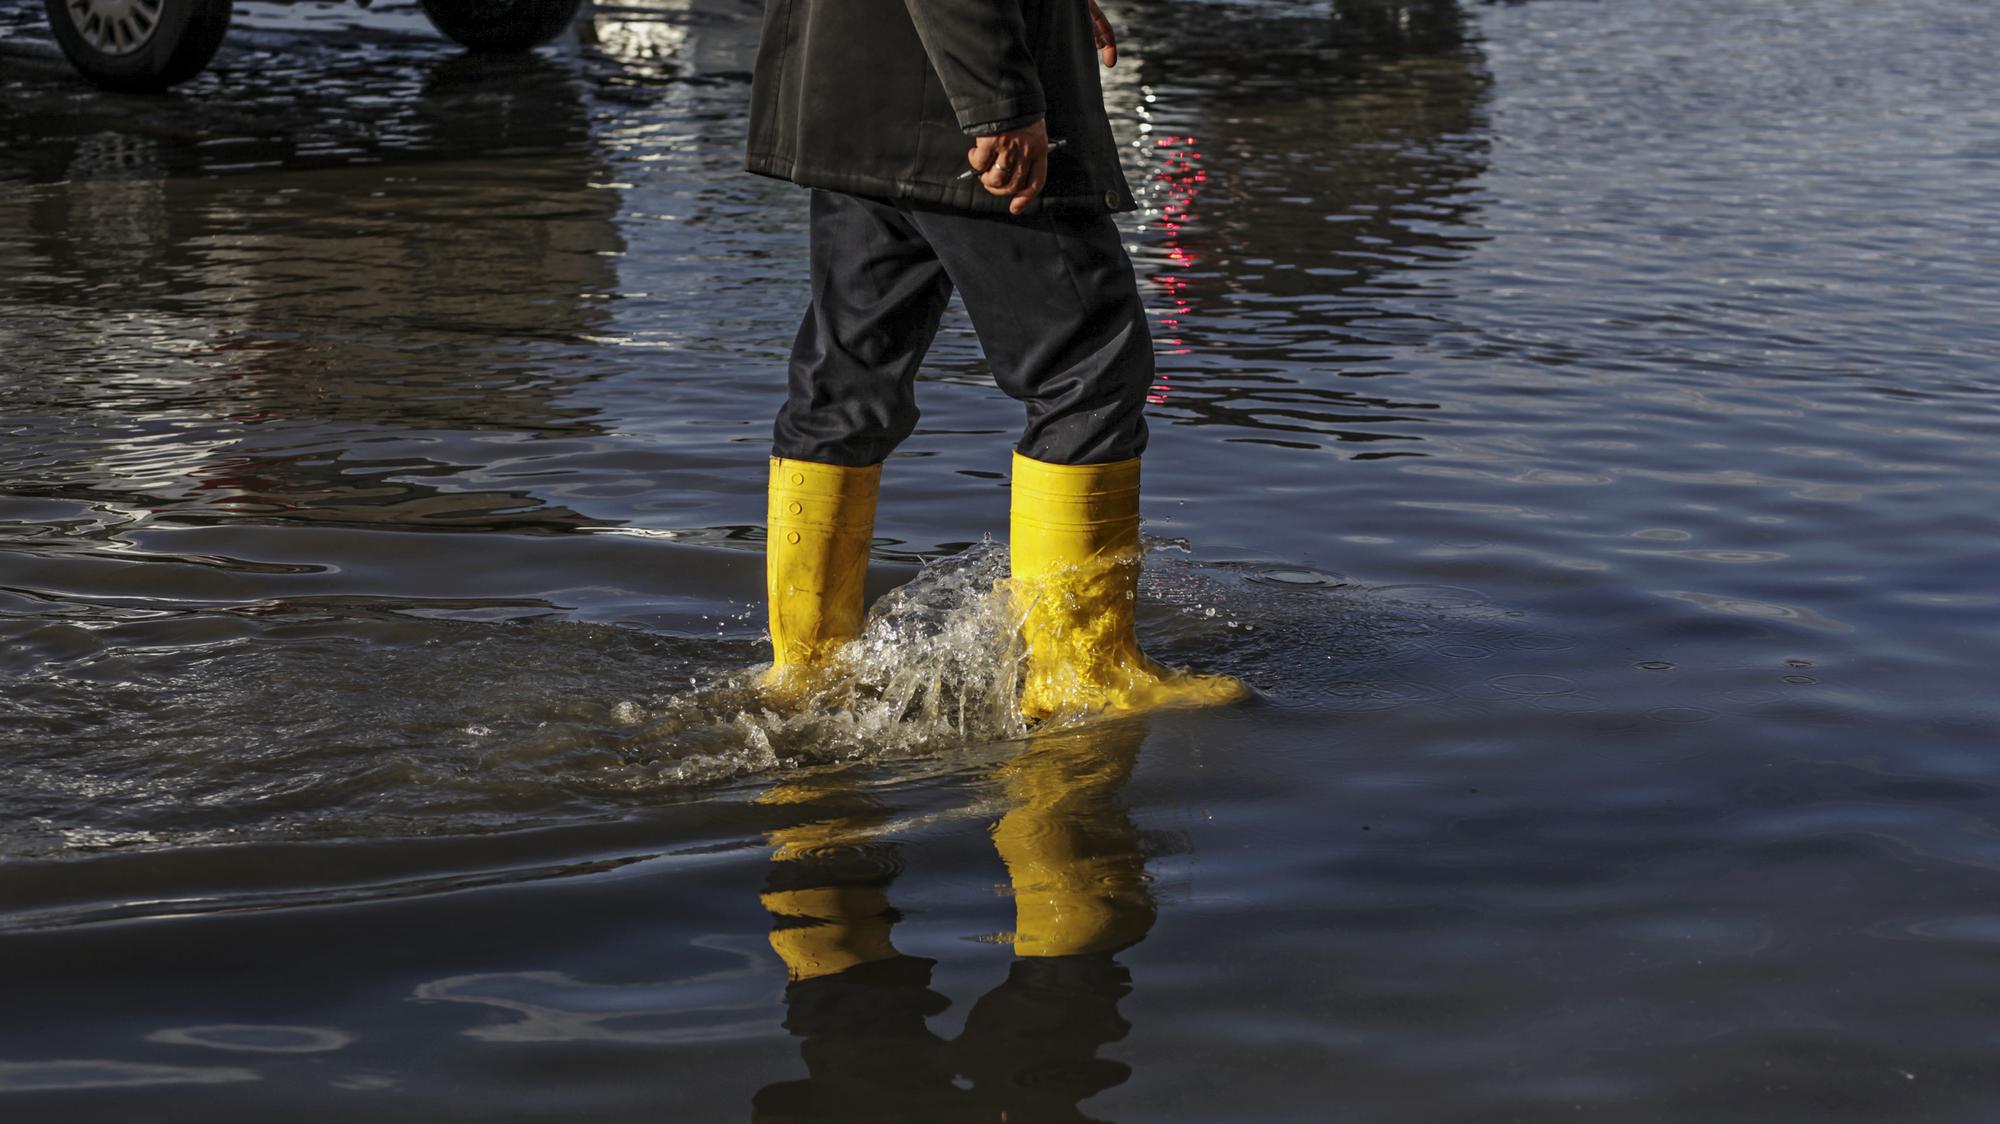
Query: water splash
(936, 665)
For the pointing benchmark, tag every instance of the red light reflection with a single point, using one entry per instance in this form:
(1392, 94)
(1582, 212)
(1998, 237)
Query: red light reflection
(1175, 186)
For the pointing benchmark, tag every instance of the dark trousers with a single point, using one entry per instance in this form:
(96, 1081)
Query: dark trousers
(1052, 298)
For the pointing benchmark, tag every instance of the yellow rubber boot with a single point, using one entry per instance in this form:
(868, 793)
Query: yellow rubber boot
(820, 520)
(1075, 551)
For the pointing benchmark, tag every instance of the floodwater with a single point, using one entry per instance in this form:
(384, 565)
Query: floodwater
(1581, 424)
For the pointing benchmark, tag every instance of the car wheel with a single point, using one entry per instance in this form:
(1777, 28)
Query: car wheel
(138, 45)
(501, 25)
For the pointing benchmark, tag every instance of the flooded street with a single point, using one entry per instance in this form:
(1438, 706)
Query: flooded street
(1580, 424)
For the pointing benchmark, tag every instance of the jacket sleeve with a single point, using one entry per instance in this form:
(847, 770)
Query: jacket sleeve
(979, 49)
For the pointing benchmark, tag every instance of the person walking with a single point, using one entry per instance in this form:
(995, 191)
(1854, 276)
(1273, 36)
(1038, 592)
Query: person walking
(961, 144)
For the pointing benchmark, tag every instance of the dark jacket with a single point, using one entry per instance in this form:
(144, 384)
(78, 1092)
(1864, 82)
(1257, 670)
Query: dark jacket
(882, 98)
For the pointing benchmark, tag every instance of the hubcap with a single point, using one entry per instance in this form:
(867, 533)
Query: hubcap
(116, 27)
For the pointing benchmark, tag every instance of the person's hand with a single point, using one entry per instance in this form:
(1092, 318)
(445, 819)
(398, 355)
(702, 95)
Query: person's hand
(1107, 43)
(1013, 163)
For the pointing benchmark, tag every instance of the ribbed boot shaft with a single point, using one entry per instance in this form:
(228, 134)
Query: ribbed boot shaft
(1064, 515)
(820, 520)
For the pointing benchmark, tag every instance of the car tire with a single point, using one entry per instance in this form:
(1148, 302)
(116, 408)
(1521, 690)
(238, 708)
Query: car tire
(138, 45)
(501, 25)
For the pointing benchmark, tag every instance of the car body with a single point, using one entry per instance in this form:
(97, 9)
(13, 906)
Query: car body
(148, 45)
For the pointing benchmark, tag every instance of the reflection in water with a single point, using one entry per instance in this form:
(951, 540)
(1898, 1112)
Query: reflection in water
(1268, 290)
(285, 345)
(1174, 192)
(859, 1006)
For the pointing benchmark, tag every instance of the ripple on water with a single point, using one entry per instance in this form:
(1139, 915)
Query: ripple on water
(539, 1006)
(1286, 578)
(256, 1038)
(1759, 610)
(81, 1073)
(1532, 684)
(1976, 929)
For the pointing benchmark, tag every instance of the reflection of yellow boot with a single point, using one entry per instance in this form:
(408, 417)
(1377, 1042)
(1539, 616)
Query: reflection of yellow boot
(827, 895)
(1071, 850)
(1076, 578)
(815, 560)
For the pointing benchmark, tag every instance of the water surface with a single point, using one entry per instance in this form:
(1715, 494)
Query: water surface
(1578, 423)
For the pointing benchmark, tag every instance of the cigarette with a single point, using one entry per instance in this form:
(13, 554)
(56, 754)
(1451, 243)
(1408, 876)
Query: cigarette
(1053, 145)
